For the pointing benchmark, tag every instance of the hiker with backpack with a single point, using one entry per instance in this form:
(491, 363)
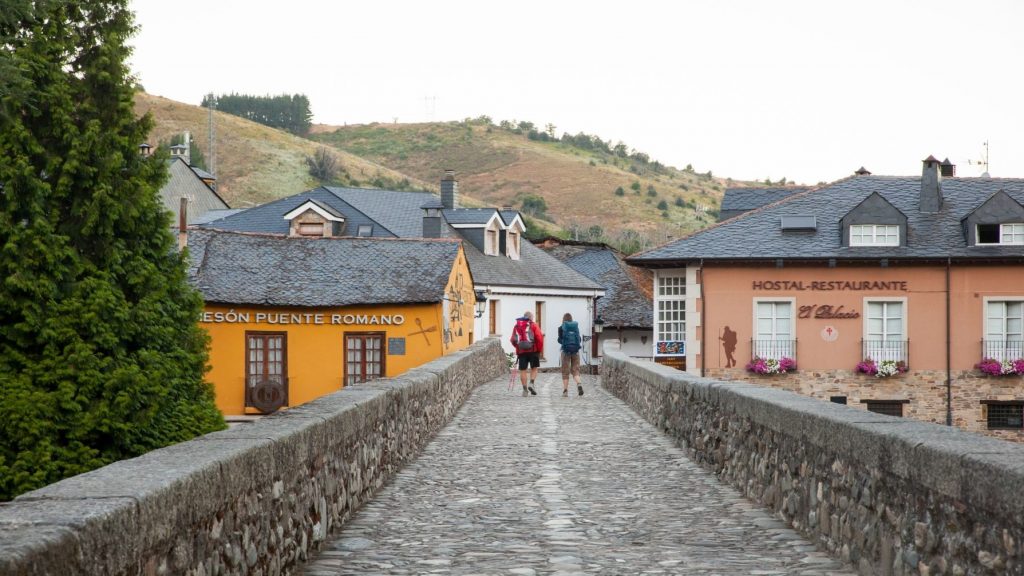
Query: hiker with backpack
(569, 338)
(528, 342)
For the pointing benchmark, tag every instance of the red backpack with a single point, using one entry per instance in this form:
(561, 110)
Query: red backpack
(522, 336)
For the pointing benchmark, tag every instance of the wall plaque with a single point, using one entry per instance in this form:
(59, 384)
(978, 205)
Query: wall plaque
(396, 346)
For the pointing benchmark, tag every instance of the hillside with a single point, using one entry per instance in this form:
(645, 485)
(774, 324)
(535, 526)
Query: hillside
(255, 163)
(564, 187)
(499, 166)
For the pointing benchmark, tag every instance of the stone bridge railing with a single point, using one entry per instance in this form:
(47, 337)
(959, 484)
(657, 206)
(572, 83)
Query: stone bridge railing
(251, 500)
(888, 495)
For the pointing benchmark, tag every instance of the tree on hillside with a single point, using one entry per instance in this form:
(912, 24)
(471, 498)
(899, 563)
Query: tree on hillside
(534, 205)
(323, 165)
(101, 357)
(287, 112)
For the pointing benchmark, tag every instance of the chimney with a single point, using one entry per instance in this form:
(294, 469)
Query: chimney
(183, 224)
(931, 186)
(947, 169)
(863, 172)
(145, 150)
(432, 219)
(449, 190)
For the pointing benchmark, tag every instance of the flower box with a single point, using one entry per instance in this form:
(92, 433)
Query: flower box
(883, 369)
(994, 367)
(771, 365)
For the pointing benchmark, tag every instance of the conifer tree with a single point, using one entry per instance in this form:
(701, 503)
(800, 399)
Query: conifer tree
(101, 357)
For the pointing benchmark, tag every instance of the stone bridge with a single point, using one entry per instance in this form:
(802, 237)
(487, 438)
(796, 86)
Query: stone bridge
(446, 470)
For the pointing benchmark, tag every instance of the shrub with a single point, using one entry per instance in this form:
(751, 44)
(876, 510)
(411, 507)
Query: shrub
(619, 191)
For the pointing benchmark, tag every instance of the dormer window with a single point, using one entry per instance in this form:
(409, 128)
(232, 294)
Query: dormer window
(491, 242)
(513, 245)
(365, 230)
(311, 229)
(1012, 233)
(874, 235)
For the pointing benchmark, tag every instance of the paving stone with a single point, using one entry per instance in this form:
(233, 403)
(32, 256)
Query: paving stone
(545, 485)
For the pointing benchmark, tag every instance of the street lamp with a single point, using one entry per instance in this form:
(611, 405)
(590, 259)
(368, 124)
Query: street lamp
(598, 325)
(481, 303)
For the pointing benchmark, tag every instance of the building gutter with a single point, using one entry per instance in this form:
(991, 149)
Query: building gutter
(949, 371)
(703, 321)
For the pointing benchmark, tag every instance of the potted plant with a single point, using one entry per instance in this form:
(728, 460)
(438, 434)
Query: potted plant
(883, 369)
(771, 365)
(994, 367)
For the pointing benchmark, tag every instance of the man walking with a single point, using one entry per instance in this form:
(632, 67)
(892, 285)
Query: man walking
(569, 338)
(528, 342)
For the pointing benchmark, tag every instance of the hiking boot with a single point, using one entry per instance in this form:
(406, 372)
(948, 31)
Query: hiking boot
(565, 393)
(525, 393)
(579, 388)
(532, 391)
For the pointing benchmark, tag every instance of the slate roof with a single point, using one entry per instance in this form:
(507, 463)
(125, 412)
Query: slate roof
(400, 214)
(624, 304)
(203, 173)
(751, 198)
(214, 215)
(239, 268)
(184, 182)
(756, 235)
(269, 218)
(479, 216)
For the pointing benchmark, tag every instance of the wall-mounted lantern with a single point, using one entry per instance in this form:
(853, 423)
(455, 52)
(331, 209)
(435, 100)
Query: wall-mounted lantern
(481, 303)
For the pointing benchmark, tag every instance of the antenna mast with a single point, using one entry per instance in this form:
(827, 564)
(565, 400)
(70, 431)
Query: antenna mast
(212, 162)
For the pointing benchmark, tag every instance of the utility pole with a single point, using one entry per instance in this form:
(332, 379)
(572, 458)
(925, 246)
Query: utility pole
(212, 154)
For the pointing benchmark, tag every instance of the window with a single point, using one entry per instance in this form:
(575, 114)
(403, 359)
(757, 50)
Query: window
(491, 242)
(887, 407)
(513, 245)
(1005, 415)
(1000, 234)
(773, 329)
(266, 362)
(365, 230)
(364, 357)
(884, 330)
(671, 296)
(311, 229)
(837, 399)
(1004, 329)
(874, 235)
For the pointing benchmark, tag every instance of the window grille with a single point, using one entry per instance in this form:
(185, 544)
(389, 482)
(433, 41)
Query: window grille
(1008, 416)
(887, 407)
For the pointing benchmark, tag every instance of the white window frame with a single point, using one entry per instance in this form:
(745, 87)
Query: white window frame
(775, 352)
(677, 296)
(897, 352)
(1015, 231)
(513, 244)
(1004, 335)
(874, 235)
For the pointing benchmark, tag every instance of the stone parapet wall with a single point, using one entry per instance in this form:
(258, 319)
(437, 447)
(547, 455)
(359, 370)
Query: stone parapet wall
(255, 499)
(888, 495)
(925, 390)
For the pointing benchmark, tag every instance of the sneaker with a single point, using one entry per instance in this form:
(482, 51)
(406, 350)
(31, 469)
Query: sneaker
(579, 389)
(532, 391)
(525, 393)
(565, 393)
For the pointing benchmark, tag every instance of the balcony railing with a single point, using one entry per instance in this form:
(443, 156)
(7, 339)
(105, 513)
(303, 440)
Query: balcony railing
(1002, 349)
(882, 350)
(776, 349)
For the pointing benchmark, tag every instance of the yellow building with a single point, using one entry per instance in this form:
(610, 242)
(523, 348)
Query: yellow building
(291, 318)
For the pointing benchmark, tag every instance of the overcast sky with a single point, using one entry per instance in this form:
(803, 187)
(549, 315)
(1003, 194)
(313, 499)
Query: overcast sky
(749, 89)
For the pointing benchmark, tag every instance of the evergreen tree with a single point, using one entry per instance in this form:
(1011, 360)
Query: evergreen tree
(101, 357)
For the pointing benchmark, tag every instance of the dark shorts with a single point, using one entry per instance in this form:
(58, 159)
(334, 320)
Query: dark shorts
(529, 360)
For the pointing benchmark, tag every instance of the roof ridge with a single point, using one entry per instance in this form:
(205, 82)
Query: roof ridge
(315, 238)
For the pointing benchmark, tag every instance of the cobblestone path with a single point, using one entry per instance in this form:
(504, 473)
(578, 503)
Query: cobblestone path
(552, 485)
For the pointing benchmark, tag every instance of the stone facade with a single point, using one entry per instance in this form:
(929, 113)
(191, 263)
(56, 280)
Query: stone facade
(890, 496)
(255, 499)
(925, 391)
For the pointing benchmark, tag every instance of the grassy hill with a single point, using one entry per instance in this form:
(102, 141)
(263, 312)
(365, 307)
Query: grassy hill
(502, 166)
(565, 187)
(254, 163)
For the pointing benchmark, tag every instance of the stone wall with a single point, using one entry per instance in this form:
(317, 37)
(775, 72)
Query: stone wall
(255, 499)
(925, 390)
(888, 495)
